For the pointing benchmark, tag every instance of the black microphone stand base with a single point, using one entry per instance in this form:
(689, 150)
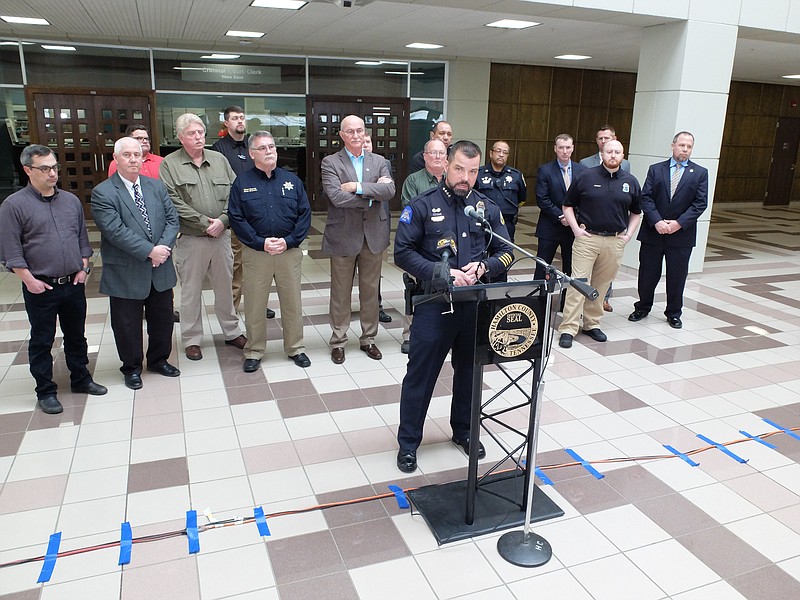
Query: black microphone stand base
(523, 550)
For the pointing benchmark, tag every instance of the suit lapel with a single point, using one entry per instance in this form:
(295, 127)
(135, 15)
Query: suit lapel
(127, 202)
(347, 165)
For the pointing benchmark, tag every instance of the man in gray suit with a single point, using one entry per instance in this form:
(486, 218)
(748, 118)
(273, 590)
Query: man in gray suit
(138, 224)
(357, 184)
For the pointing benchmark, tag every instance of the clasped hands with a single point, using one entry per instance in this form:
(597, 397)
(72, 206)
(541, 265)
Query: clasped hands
(159, 255)
(469, 274)
(665, 227)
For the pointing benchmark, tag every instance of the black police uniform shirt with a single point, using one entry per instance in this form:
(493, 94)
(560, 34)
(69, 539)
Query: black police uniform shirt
(426, 220)
(507, 188)
(237, 153)
(603, 200)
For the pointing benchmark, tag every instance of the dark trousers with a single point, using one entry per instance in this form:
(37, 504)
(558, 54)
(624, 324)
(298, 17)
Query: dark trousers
(547, 251)
(650, 261)
(68, 303)
(126, 321)
(433, 335)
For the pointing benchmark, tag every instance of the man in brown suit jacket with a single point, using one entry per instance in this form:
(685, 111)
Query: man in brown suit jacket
(357, 184)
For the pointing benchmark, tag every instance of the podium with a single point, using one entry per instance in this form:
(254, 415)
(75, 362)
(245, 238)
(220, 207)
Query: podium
(512, 323)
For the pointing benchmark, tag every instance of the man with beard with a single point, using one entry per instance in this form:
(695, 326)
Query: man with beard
(606, 200)
(434, 216)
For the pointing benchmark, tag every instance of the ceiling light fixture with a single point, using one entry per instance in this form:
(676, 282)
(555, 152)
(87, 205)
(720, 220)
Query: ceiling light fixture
(245, 34)
(512, 24)
(791, 76)
(61, 48)
(286, 4)
(368, 63)
(572, 57)
(221, 56)
(424, 46)
(25, 20)
(404, 73)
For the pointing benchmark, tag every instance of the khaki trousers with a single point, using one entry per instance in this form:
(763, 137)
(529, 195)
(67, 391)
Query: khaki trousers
(596, 258)
(259, 270)
(236, 284)
(343, 269)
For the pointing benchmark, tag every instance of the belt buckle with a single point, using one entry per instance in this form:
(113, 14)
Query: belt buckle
(63, 280)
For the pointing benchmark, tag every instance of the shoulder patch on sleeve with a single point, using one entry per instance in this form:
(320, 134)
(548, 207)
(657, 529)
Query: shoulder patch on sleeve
(405, 216)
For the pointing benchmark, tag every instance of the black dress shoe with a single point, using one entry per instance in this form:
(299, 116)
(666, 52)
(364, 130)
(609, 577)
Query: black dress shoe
(91, 388)
(251, 365)
(565, 341)
(270, 313)
(165, 369)
(638, 315)
(133, 381)
(407, 461)
(675, 322)
(405, 347)
(463, 443)
(596, 334)
(176, 316)
(50, 405)
(383, 317)
(301, 360)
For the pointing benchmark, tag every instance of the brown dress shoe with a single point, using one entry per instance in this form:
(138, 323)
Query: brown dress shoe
(337, 355)
(372, 351)
(194, 353)
(607, 307)
(238, 342)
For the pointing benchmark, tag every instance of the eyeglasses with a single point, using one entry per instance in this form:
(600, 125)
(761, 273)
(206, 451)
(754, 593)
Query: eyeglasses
(496, 151)
(141, 139)
(47, 168)
(265, 148)
(352, 132)
(436, 153)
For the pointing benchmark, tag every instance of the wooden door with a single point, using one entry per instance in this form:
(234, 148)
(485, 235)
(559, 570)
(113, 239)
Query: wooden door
(385, 119)
(81, 128)
(784, 157)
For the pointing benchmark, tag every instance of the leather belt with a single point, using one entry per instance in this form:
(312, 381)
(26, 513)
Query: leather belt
(605, 233)
(56, 280)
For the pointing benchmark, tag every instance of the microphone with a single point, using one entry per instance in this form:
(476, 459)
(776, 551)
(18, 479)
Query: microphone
(446, 247)
(584, 288)
(477, 215)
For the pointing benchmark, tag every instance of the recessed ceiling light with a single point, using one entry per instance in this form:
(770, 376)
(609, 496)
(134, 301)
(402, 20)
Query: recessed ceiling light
(368, 63)
(221, 56)
(572, 57)
(25, 20)
(287, 4)
(424, 46)
(16, 43)
(791, 76)
(402, 63)
(512, 24)
(245, 34)
(404, 73)
(62, 48)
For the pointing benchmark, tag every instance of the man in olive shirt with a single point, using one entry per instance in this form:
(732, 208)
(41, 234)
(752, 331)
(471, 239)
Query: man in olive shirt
(199, 181)
(43, 240)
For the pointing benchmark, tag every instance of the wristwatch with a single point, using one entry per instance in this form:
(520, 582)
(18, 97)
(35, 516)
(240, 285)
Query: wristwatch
(86, 270)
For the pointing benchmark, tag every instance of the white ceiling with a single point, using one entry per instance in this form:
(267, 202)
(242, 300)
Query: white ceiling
(382, 28)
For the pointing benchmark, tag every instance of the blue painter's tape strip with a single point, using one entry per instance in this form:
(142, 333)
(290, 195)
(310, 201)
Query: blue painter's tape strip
(758, 439)
(50, 558)
(783, 429)
(400, 496)
(191, 531)
(542, 477)
(597, 474)
(261, 522)
(125, 544)
(721, 448)
(683, 456)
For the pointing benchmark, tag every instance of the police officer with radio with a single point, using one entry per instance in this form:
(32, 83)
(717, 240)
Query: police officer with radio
(503, 184)
(437, 242)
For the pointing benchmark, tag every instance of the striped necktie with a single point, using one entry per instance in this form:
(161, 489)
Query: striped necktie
(565, 175)
(676, 177)
(138, 200)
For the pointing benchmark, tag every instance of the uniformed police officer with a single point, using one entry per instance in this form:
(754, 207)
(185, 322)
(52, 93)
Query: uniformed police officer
(503, 184)
(427, 222)
(602, 209)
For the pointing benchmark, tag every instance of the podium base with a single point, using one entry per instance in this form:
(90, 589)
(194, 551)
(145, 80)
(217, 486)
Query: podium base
(532, 552)
(444, 507)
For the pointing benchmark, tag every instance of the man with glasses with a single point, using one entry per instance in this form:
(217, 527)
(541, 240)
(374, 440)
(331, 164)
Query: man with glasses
(43, 240)
(270, 212)
(150, 162)
(357, 184)
(199, 182)
(442, 131)
(503, 184)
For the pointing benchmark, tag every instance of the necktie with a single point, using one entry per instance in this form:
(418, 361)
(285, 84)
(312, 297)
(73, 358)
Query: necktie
(565, 175)
(676, 177)
(139, 202)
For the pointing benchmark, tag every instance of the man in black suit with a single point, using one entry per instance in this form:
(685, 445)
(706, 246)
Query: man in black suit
(674, 196)
(552, 182)
(138, 225)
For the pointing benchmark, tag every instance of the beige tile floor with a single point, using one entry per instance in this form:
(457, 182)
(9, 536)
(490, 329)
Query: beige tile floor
(287, 439)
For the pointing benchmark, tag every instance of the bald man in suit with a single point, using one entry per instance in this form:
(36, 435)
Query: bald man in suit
(674, 196)
(357, 184)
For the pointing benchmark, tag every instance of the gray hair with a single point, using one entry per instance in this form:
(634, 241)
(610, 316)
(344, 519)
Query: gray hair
(28, 152)
(185, 120)
(258, 135)
(120, 141)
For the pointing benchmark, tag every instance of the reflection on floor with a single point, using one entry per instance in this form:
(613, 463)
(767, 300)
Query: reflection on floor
(285, 438)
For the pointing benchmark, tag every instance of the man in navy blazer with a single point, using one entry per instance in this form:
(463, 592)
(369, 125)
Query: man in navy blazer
(357, 184)
(674, 196)
(552, 229)
(138, 225)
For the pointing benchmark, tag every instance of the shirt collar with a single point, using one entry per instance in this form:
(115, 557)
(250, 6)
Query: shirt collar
(129, 184)
(673, 162)
(353, 156)
(39, 194)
